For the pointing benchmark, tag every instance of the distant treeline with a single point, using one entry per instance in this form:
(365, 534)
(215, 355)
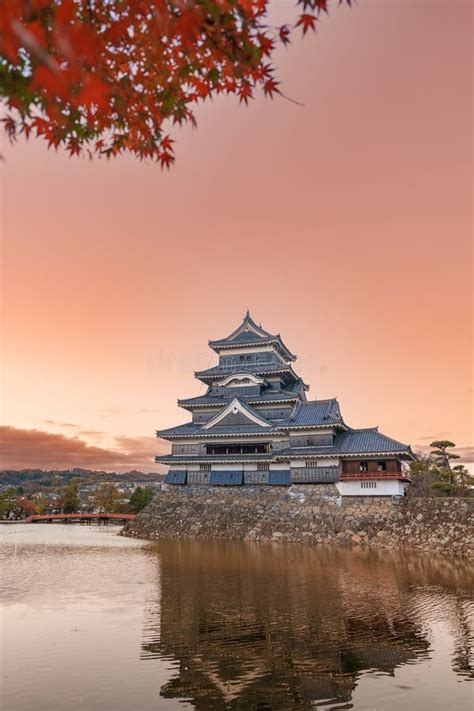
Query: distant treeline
(54, 477)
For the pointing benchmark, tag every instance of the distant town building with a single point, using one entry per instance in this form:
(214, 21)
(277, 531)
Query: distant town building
(255, 426)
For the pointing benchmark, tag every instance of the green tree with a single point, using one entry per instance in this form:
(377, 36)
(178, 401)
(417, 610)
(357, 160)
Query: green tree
(8, 502)
(141, 498)
(441, 459)
(41, 503)
(25, 507)
(422, 477)
(464, 480)
(107, 498)
(433, 475)
(440, 454)
(70, 498)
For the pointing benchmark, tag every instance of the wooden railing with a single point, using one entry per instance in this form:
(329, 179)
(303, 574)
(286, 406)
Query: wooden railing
(370, 476)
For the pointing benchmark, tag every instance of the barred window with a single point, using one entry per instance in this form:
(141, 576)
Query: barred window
(205, 467)
(368, 484)
(263, 466)
(309, 464)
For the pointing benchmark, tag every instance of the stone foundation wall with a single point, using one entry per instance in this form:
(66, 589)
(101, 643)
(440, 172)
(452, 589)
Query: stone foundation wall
(308, 514)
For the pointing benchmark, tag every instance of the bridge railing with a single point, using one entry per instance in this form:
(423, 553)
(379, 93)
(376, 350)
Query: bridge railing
(79, 516)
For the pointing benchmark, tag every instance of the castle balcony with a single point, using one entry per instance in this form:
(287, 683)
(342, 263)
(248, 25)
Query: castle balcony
(377, 475)
(374, 469)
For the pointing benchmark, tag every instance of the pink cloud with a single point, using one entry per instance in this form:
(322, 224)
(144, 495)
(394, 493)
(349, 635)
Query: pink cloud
(22, 448)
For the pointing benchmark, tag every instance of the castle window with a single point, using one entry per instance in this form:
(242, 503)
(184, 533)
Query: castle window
(263, 466)
(382, 466)
(205, 467)
(309, 464)
(249, 448)
(363, 466)
(368, 484)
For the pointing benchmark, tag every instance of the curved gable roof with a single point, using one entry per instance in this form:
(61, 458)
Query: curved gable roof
(247, 327)
(249, 333)
(237, 412)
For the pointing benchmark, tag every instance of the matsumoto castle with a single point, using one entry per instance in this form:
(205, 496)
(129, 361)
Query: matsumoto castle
(255, 425)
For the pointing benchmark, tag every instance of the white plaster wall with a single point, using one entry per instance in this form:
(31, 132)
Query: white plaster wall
(208, 408)
(388, 487)
(328, 462)
(226, 467)
(250, 349)
(313, 431)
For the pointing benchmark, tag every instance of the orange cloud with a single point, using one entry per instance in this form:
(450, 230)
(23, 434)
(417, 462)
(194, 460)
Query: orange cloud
(60, 424)
(22, 448)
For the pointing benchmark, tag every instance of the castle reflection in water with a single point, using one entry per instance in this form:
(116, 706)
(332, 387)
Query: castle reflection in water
(286, 627)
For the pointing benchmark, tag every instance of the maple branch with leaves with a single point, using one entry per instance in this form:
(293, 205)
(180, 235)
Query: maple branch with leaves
(109, 77)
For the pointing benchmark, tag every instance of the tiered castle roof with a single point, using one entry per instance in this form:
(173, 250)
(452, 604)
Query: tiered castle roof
(248, 378)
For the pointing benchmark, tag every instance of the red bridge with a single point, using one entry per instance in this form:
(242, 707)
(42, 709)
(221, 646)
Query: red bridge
(101, 518)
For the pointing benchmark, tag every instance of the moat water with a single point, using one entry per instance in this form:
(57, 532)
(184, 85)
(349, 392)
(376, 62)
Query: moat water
(94, 621)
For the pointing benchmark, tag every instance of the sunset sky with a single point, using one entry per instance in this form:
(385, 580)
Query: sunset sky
(344, 224)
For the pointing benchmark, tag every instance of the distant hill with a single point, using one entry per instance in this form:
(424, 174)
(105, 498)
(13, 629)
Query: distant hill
(55, 477)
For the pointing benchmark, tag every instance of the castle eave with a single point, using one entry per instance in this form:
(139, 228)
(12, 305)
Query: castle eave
(211, 434)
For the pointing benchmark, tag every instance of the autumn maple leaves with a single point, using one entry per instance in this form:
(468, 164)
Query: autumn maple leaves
(107, 77)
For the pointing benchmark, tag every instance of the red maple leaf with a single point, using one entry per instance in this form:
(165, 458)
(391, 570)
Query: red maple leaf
(167, 143)
(245, 93)
(93, 91)
(307, 22)
(166, 159)
(284, 34)
(271, 87)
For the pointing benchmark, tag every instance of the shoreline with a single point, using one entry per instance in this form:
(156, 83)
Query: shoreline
(312, 515)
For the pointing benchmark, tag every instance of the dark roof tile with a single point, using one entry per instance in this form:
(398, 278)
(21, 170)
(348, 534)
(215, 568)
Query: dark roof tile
(223, 399)
(364, 441)
(314, 412)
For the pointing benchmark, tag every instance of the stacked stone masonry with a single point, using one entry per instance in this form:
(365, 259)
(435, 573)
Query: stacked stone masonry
(316, 515)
